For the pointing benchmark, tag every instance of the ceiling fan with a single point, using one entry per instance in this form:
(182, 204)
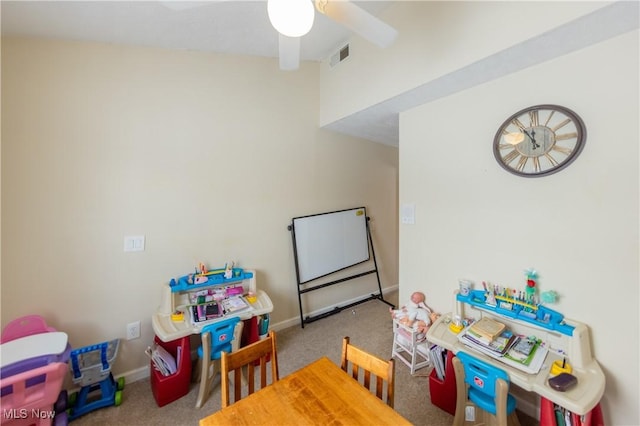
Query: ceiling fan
(294, 18)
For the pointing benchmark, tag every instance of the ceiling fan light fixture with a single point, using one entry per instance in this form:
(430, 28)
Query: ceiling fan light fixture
(358, 20)
(292, 18)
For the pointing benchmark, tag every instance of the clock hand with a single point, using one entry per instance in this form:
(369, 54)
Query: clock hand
(533, 139)
(527, 133)
(532, 136)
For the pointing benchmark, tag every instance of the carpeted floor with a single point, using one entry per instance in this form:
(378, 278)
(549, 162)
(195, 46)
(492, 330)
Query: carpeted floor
(368, 325)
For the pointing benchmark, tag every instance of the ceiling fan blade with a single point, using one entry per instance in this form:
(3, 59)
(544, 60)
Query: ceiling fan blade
(289, 52)
(359, 21)
(183, 4)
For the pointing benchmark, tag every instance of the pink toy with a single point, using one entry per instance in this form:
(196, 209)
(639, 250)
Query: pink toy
(34, 391)
(38, 398)
(24, 326)
(235, 291)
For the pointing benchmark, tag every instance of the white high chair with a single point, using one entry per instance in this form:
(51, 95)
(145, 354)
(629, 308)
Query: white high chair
(410, 346)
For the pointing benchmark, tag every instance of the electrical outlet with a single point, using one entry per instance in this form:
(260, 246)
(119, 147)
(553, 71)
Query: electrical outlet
(133, 330)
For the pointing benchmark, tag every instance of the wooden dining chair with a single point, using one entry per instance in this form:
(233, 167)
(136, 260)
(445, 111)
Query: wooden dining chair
(258, 353)
(384, 371)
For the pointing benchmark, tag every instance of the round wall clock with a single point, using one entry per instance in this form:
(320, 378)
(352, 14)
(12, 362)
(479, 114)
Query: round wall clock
(539, 140)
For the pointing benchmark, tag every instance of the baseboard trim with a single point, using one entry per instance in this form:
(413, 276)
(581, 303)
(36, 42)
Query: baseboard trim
(135, 375)
(130, 376)
(296, 320)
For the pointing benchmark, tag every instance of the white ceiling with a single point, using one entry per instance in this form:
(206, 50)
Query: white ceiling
(227, 26)
(242, 27)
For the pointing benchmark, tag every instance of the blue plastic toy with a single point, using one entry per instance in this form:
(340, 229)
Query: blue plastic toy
(91, 368)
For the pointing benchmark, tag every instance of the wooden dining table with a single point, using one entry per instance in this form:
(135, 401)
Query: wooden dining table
(318, 394)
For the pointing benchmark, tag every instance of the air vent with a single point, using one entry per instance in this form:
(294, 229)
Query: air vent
(340, 56)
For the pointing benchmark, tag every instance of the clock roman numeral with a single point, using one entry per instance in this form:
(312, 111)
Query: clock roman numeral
(517, 123)
(522, 163)
(546, 123)
(566, 136)
(536, 164)
(565, 151)
(564, 123)
(551, 159)
(533, 118)
(511, 156)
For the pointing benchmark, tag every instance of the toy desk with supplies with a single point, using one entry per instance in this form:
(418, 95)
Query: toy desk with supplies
(194, 301)
(565, 340)
(182, 297)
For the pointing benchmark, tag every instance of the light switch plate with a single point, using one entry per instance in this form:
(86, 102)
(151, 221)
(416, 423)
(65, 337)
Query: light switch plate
(408, 214)
(134, 243)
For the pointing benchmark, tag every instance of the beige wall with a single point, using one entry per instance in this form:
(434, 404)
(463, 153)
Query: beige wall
(577, 228)
(101, 142)
(208, 156)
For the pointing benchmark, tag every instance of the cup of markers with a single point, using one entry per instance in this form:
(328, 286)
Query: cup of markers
(560, 366)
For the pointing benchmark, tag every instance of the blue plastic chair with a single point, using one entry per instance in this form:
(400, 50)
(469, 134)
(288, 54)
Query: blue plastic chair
(216, 338)
(487, 387)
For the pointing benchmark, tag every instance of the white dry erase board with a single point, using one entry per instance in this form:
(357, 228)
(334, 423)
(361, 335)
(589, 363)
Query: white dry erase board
(328, 242)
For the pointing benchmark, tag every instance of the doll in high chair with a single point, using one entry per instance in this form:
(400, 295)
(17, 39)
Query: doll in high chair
(415, 313)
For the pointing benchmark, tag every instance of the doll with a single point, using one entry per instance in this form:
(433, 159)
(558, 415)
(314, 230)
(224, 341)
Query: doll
(416, 315)
(422, 327)
(414, 310)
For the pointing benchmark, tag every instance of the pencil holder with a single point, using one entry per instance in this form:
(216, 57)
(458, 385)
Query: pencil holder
(557, 367)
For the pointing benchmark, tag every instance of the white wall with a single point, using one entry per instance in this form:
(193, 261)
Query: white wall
(578, 228)
(434, 39)
(209, 156)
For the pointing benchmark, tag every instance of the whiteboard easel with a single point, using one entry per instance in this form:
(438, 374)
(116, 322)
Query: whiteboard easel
(326, 243)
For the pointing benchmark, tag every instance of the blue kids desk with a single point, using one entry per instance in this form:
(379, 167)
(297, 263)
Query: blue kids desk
(177, 298)
(565, 339)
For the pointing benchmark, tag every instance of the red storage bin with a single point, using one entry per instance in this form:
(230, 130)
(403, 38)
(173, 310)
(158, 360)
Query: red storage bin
(548, 415)
(249, 332)
(167, 389)
(444, 392)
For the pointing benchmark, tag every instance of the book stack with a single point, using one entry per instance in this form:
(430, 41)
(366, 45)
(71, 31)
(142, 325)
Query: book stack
(438, 358)
(487, 328)
(234, 304)
(494, 339)
(490, 335)
(162, 360)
